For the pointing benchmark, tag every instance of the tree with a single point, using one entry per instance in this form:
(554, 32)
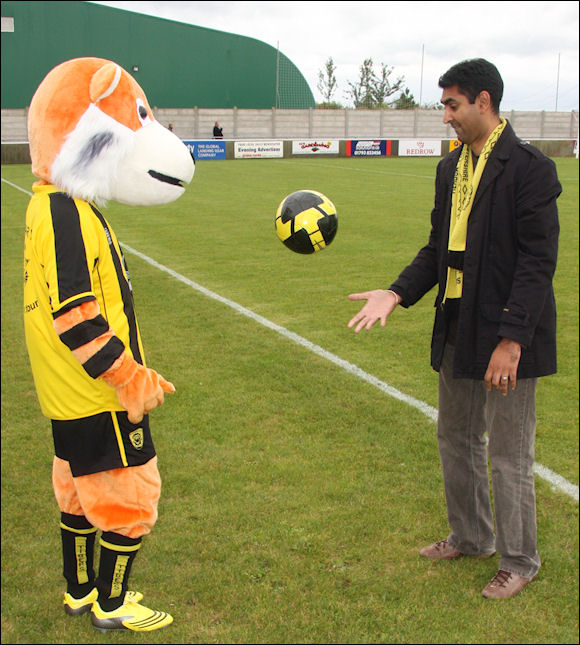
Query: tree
(361, 92)
(372, 91)
(327, 81)
(382, 88)
(406, 101)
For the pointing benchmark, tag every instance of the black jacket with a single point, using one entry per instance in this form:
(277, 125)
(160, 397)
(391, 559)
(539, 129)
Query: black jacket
(509, 262)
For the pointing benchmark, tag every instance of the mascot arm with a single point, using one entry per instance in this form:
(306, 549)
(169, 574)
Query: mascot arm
(102, 354)
(139, 388)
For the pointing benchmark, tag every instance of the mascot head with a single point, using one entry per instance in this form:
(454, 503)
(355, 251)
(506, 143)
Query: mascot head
(92, 134)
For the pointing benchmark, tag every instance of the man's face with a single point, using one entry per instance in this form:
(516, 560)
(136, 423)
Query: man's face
(464, 117)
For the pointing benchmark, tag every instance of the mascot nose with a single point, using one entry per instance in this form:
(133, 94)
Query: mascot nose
(156, 169)
(172, 162)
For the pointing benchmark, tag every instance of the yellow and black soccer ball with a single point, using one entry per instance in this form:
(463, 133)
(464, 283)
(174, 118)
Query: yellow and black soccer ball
(306, 221)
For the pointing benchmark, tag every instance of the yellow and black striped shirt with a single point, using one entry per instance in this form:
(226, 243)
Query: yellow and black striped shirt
(71, 256)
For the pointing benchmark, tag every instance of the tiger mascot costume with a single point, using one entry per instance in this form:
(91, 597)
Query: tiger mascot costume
(93, 138)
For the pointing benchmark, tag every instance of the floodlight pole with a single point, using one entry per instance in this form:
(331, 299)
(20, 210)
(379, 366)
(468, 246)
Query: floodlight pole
(421, 84)
(277, 73)
(557, 82)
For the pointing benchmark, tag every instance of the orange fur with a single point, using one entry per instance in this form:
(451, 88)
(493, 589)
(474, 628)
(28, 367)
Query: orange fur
(123, 500)
(76, 315)
(64, 488)
(139, 388)
(88, 350)
(57, 107)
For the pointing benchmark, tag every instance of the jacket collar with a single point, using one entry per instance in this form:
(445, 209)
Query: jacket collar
(496, 162)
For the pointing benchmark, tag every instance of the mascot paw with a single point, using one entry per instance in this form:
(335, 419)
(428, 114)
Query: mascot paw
(139, 389)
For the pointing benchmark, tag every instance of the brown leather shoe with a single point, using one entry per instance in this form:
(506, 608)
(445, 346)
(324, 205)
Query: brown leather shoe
(504, 585)
(440, 551)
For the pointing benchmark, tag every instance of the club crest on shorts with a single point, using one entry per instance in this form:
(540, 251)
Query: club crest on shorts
(137, 438)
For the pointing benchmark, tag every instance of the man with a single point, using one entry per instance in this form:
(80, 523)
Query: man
(218, 132)
(492, 253)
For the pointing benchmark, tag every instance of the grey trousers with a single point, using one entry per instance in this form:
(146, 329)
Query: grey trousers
(466, 412)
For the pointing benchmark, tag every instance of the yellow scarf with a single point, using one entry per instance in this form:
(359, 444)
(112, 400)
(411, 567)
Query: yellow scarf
(465, 185)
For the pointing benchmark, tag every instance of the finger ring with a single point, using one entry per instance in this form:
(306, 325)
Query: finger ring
(504, 378)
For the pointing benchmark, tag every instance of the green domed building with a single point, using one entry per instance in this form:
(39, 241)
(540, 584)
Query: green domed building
(178, 65)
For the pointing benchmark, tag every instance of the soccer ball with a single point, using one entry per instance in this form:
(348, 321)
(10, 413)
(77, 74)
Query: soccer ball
(306, 221)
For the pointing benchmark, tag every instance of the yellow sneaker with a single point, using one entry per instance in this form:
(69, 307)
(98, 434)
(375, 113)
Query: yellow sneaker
(77, 606)
(131, 616)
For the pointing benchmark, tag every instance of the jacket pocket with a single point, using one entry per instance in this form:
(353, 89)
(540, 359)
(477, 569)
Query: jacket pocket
(506, 315)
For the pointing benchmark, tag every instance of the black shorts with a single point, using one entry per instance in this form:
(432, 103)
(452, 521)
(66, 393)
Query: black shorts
(102, 442)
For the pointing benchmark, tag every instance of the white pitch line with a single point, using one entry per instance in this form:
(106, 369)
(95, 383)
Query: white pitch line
(320, 351)
(22, 190)
(557, 481)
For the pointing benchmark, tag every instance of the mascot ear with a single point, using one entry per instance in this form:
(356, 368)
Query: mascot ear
(104, 82)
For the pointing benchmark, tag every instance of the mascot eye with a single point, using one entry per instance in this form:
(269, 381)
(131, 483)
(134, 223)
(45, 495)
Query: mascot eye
(142, 113)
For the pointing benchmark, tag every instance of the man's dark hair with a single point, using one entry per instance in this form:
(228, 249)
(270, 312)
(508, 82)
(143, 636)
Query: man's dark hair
(472, 77)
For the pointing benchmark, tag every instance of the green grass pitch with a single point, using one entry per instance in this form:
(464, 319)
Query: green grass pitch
(295, 495)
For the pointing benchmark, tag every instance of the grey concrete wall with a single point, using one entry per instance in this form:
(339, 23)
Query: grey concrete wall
(197, 123)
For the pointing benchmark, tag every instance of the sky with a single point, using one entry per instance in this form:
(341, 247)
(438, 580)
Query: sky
(533, 44)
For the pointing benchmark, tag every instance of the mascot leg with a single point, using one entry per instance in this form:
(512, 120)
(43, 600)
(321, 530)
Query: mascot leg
(117, 555)
(122, 503)
(78, 543)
